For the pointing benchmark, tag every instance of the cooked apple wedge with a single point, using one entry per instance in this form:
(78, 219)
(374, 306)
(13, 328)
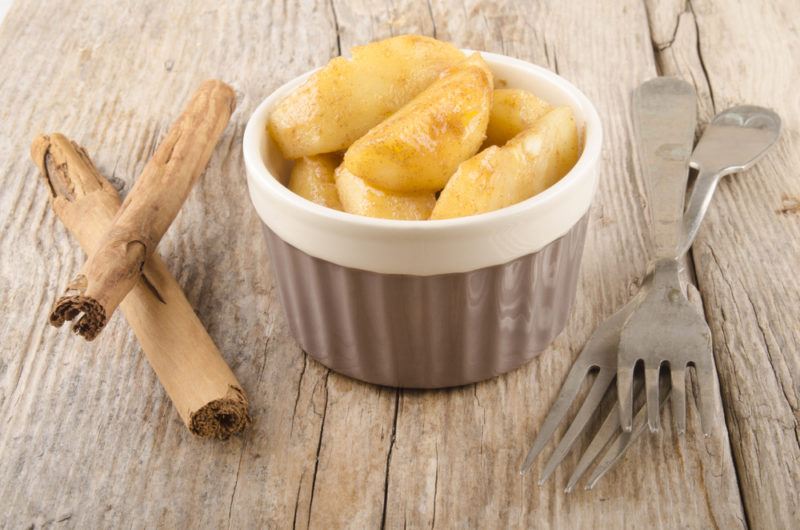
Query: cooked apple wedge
(419, 147)
(312, 178)
(360, 198)
(347, 97)
(529, 163)
(513, 111)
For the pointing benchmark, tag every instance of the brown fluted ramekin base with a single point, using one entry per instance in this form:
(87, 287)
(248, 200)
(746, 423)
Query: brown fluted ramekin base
(428, 331)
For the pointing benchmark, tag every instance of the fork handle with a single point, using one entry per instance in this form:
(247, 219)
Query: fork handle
(665, 199)
(665, 116)
(704, 187)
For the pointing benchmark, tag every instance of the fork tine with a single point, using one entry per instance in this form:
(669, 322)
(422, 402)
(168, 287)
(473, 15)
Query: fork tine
(607, 431)
(617, 447)
(706, 382)
(651, 389)
(566, 396)
(601, 383)
(678, 398)
(620, 444)
(604, 434)
(625, 396)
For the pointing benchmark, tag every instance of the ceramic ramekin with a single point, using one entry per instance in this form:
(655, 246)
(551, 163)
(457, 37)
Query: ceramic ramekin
(427, 304)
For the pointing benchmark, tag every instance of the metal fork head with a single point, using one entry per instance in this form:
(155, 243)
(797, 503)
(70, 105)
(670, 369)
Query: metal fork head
(602, 353)
(610, 442)
(666, 328)
(599, 353)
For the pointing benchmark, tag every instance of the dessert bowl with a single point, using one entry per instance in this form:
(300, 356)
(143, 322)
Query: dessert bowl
(428, 304)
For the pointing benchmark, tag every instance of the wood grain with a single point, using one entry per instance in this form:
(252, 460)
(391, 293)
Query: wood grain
(746, 254)
(326, 451)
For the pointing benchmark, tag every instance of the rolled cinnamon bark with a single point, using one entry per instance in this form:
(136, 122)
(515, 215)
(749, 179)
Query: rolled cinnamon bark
(158, 194)
(197, 379)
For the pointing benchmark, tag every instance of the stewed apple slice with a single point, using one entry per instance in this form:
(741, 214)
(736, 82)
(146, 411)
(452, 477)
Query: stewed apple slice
(347, 97)
(419, 147)
(312, 178)
(528, 164)
(361, 198)
(513, 111)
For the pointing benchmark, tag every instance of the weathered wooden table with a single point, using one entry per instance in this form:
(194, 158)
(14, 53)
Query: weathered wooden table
(88, 438)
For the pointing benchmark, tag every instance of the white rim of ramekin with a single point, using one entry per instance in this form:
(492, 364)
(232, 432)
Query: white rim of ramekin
(262, 181)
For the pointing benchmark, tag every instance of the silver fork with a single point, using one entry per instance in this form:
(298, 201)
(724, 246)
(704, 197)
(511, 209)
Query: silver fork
(665, 327)
(761, 128)
(734, 140)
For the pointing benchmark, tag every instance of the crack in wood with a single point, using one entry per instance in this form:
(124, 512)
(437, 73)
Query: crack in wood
(730, 415)
(700, 56)
(435, 488)
(236, 483)
(319, 448)
(297, 500)
(789, 205)
(433, 19)
(552, 57)
(389, 457)
(662, 46)
(299, 388)
(336, 27)
(244, 441)
(483, 414)
(771, 357)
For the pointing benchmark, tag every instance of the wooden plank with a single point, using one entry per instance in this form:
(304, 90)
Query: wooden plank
(746, 254)
(87, 434)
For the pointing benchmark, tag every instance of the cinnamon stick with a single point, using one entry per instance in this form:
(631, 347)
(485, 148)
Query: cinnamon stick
(197, 379)
(114, 268)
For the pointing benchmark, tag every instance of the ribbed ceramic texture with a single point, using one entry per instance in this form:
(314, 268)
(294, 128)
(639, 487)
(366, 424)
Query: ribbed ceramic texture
(428, 331)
